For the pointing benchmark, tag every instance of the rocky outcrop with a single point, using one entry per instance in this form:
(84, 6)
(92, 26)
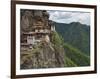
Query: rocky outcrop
(43, 56)
(26, 21)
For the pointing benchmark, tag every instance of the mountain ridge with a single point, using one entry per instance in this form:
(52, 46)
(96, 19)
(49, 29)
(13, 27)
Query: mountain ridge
(76, 34)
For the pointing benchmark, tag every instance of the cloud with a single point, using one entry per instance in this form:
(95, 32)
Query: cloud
(59, 14)
(68, 17)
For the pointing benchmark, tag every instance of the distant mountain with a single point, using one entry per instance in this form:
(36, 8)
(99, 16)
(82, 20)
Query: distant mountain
(75, 34)
(73, 56)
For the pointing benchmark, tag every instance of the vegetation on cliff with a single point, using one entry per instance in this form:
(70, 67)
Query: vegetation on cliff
(57, 53)
(44, 55)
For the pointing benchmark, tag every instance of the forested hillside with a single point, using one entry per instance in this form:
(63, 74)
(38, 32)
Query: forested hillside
(75, 34)
(75, 39)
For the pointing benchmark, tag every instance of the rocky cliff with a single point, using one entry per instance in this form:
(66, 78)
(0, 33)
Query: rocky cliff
(43, 55)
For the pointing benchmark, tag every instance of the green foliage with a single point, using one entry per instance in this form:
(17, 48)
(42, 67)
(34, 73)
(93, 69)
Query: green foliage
(73, 56)
(56, 39)
(76, 55)
(76, 34)
(69, 62)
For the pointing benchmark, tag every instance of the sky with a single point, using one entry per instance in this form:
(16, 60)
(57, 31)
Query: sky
(69, 16)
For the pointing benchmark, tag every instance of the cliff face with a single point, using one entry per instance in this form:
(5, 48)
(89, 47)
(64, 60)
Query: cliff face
(26, 21)
(43, 55)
